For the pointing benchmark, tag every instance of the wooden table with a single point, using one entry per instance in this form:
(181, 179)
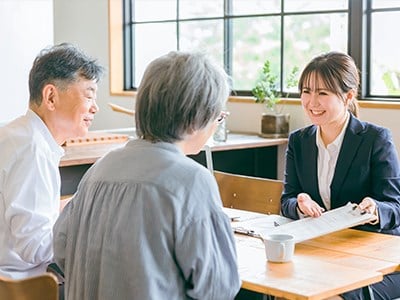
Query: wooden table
(251, 154)
(384, 247)
(321, 267)
(76, 155)
(86, 154)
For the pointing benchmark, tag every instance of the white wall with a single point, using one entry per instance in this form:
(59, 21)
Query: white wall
(247, 118)
(26, 26)
(85, 22)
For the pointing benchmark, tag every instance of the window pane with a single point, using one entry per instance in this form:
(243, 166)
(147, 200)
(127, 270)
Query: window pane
(252, 7)
(163, 40)
(206, 36)
(253, 34)
(201, 9)
(154, 10)
(313, 5)
(385, 61)
(254, 41)
(385, 3)
(309, 35)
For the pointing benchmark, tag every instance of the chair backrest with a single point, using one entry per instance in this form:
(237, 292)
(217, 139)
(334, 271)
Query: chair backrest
(250, 193)
(43, 287)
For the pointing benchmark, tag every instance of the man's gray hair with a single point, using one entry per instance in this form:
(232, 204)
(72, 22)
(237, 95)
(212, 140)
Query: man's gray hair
(61, 65)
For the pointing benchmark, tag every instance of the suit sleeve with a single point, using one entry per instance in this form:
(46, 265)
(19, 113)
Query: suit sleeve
(386, 180)
(292, 184)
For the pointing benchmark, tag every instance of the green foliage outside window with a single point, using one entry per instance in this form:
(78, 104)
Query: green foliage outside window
(266, 89)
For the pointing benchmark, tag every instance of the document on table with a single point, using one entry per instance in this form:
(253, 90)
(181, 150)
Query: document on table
(239, 215)
(333, 220)
(251, 223)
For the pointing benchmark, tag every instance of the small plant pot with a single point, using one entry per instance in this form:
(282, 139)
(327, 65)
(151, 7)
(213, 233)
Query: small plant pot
(275, 125)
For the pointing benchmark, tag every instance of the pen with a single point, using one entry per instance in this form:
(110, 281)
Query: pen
(362, 212)
(247, 232)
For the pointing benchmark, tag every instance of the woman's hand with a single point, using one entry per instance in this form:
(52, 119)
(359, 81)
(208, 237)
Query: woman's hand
(369, 205)
(308, 206)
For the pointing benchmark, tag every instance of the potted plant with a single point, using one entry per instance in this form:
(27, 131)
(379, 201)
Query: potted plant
(274, 123)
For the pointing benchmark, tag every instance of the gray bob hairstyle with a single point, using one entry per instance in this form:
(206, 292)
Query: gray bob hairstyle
(180, 92)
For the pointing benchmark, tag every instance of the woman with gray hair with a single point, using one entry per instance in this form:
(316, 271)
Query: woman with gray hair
(146, 221)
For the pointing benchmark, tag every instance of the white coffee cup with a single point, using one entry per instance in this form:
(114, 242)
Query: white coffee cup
(279, 247)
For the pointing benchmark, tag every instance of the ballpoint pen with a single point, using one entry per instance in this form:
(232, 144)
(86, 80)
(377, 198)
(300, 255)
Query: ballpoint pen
(249, 232)
(362, 211)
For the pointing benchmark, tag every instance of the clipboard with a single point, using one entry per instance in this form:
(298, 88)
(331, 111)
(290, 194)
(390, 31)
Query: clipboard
(333, 220)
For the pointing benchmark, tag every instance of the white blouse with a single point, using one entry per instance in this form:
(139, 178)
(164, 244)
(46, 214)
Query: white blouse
(327, 158)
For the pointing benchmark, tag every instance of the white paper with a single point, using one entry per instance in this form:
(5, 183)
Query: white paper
(333, 220)
(251, 223)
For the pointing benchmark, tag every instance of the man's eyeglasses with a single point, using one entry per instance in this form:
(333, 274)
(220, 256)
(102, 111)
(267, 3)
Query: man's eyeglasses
(222, 116)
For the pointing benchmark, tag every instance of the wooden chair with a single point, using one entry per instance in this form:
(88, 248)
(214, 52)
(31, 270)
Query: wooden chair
(43, 287)
(250, 193)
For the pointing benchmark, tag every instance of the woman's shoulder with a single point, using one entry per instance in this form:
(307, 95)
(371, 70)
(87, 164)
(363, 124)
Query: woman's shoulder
(303, 132)
(367, 128)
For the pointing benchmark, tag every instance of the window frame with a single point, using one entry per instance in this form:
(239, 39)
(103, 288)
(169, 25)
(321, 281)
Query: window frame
(359, 12)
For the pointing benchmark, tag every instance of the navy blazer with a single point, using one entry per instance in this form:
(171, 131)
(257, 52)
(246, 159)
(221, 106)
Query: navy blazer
(367, 165)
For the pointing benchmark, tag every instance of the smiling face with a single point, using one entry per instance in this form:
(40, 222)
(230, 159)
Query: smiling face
(69, 111)
(324, 107)
(77, 107)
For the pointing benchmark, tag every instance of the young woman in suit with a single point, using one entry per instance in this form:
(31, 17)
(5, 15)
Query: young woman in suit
(340, 159)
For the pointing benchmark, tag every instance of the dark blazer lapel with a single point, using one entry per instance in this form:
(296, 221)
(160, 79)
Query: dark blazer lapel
(349, 149)
(310, 158)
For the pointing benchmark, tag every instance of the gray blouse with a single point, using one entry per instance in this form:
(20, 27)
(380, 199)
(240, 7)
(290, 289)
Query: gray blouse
(146, 223)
